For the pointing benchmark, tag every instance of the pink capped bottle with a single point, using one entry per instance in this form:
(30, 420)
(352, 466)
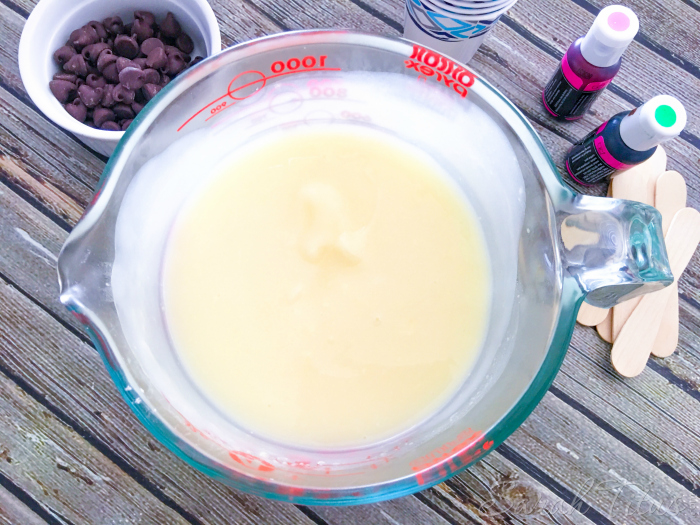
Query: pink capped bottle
(590, 63)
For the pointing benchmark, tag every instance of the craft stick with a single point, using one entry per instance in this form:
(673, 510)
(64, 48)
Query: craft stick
(671, 194)
(633, 345)
(605, 328)
(590, 315)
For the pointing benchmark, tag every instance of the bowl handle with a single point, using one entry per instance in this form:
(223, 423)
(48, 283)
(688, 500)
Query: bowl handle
(613, 248)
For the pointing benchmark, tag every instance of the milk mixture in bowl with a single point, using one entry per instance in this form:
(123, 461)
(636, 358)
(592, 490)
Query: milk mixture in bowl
(328, 286)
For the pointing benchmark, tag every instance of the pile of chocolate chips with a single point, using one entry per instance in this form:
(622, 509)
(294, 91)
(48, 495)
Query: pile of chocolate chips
(111, 69)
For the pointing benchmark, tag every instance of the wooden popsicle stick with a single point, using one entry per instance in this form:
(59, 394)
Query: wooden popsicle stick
(667, 338)
(633, 345)
(605, 328)
(649, 170)
(589, 315)
(671, 195)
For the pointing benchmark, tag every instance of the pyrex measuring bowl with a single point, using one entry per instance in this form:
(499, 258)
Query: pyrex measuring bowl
(550, 248)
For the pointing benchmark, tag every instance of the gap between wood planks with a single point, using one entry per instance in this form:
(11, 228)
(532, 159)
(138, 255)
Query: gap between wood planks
(516, 27)
(49, 516)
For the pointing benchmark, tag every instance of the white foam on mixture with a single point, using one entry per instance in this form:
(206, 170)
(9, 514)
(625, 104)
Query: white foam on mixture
(455, 131)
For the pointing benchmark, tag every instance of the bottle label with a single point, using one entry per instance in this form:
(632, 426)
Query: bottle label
(568, 95)
(589, 161)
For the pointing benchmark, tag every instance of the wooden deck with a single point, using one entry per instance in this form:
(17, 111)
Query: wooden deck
(598, 449)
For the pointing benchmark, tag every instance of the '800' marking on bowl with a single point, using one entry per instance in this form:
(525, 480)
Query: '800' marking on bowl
(246, 84)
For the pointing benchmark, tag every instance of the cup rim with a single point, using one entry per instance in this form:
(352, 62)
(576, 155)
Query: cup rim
(475, 17)
(38, 93)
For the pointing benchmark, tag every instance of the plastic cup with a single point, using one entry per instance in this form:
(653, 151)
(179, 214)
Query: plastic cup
(458, 11)
(458, 36)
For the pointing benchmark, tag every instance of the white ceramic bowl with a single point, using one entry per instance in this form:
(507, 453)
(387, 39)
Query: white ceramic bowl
(51, 23)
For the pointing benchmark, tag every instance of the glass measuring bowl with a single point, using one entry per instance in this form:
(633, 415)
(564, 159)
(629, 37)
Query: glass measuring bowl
(549, 247)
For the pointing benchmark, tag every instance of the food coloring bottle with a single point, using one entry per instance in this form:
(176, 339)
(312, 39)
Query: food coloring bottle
(627, 139)
(590, 63)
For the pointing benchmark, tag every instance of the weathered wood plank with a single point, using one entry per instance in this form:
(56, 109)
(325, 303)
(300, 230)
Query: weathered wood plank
(304, 14)
(240, 21)
(71, 478)
(647, 410)
(29, 244)
(14, 512)
(643, 72)
(496, 491)
(603, 472)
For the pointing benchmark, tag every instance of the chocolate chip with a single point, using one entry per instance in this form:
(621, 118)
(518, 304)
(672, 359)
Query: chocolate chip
(102, 115)
(141, 62)
(62, 75)
(184, 43)
(63, 54)
(121, 94)
(111, 73)
(114, 25)
(110, 125)
(126, 123)
(105, 58)
(150, 44)
(196, 60)
(170, 27)
(76, 65)
(94, 80)
(126, 46)
(90, 96)
(124, 63)
(137, 107)
(145, 16)
(157, 58)
(172, 50)
(150, 91)
(123, 111)
(92, 52)
(107, 99)
(77, 110)
(141, 30)
(62, 90)
(84, 36)
(99, 29)
(131, 77)
(92, 70)
(176, 63)
(151, 76)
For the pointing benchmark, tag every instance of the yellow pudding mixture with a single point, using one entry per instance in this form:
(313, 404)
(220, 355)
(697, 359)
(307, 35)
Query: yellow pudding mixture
(327, 287)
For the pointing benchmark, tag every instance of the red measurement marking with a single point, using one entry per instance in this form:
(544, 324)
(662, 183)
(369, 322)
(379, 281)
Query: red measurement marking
(262, 79)
(463, 442)
(250, 461)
